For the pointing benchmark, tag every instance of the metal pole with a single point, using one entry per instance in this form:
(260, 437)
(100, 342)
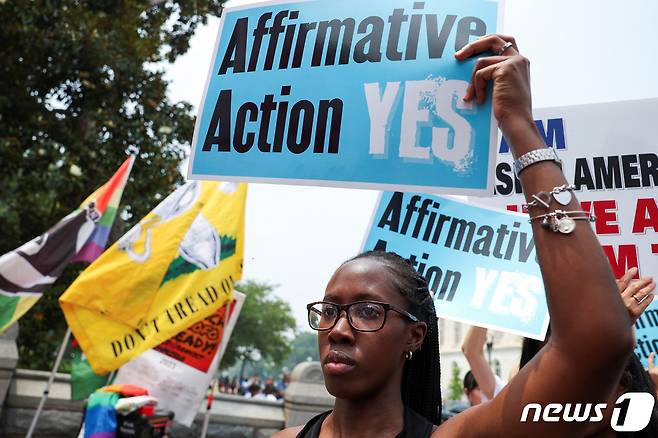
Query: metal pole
(206, 417)
(211, 392)
(46, 391)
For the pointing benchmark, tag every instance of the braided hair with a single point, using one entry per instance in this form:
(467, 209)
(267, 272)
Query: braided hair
(421, 379)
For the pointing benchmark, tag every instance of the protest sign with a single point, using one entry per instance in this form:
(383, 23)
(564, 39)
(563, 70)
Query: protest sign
(608, 152)
(646, 329)
(347, 94)
(178, 371)
(480, 263)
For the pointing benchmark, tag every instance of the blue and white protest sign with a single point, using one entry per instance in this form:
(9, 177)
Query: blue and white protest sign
(480, 263)
(646, 333)
(347, 93)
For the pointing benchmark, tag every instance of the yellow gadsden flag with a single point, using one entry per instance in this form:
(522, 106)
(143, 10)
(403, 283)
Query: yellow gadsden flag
(173, 269)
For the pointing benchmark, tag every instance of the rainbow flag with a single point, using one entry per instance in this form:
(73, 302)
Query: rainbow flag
(26, 272)
(107, 198)
(101, 418)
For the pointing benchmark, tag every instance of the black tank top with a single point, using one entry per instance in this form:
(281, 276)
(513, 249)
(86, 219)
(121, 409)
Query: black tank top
(415, 426)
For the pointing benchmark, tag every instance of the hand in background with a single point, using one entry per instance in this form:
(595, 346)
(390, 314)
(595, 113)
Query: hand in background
(636, 293)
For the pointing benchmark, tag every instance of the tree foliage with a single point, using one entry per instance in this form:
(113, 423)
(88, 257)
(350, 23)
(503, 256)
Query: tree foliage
(455, 387)
(264, 328)
(83, 87)
(304, 348)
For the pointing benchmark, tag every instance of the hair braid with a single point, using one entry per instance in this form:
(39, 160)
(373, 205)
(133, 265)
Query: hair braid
(421, 380)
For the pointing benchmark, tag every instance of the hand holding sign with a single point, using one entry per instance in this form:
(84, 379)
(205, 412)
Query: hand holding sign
(636, 294)
(510, 74)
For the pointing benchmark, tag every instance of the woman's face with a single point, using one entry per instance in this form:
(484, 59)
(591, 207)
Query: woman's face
(359, 364)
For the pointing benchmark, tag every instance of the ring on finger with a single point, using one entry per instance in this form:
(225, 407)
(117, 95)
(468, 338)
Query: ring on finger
(506, 46)
(640, 300)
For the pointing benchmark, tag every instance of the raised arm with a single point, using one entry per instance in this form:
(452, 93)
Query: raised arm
(591, 330)
(472, 347)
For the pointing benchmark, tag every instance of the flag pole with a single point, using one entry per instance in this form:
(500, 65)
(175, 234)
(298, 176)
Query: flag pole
(206, 417)
(46, 391)
(211, 393)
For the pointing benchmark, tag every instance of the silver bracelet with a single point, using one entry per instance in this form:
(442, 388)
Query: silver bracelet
(562, 195)
(536, 156)
(562, 221)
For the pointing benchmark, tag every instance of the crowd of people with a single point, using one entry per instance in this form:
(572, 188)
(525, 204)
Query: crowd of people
(254, 387)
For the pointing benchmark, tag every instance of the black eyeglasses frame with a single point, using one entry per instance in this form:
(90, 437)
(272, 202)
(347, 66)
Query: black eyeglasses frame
(346, 307)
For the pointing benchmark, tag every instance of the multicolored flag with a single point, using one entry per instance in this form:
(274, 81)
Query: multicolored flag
(26, 272)
(108, 198)
(176, 267)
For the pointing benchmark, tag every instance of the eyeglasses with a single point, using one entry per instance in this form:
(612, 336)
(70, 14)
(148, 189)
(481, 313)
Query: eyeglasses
(362, 316)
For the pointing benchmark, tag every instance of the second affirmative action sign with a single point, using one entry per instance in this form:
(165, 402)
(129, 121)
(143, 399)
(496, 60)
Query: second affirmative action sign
(480, 264)
(347, 93)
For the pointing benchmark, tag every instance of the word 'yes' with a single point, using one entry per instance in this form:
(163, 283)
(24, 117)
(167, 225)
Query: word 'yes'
(417, 99)
(511, 293)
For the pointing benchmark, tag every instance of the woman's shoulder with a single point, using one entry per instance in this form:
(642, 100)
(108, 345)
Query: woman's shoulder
(290, 432)
(311, 429)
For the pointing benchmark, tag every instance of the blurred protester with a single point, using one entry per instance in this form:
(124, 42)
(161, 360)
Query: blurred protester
(473, 348)
(253, 391)
(269, 393)
(472, 389)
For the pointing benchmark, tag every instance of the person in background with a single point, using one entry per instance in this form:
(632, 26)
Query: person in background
(472, 390)
(269, 393)
(473, 348)
(253, 391)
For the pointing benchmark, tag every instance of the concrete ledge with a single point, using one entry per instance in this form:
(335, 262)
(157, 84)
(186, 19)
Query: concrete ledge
(27, 388)
(230, 416)
(237, 410)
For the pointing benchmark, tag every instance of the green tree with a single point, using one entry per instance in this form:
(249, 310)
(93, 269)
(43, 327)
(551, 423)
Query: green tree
(304, 346)
(264, 329)
(455, 387)
(83, 87)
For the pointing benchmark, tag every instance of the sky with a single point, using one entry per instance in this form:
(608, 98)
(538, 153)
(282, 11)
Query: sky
(581, 51)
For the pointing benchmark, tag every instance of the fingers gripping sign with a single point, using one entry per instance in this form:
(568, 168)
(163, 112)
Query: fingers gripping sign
(509, 71)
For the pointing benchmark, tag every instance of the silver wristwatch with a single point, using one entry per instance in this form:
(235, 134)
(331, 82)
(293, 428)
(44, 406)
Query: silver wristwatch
(535, 156)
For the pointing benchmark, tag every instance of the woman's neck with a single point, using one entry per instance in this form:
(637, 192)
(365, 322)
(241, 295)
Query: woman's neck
(379, 416)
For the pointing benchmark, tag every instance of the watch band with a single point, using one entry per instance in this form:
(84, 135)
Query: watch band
(536, 156)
